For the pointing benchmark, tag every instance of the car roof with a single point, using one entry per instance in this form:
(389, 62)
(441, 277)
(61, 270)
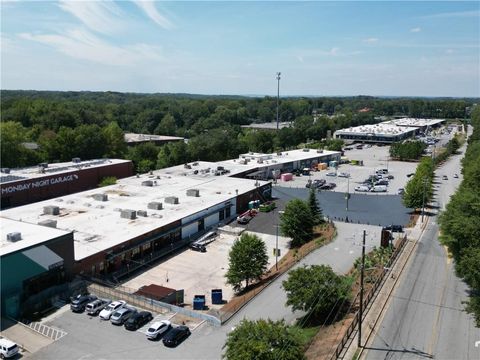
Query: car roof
(6, 342)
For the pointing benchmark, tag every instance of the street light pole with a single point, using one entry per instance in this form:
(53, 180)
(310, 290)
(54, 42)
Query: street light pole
(360, 311)
(278, 96)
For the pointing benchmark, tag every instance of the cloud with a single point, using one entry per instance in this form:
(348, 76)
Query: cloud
(99, 16)
(370, 40)
(455, 14)
(81, 44)
(449, 51)
(151, 11)
(415, 29)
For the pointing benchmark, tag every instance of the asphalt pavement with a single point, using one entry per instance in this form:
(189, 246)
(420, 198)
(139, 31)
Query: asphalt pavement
(426, 317)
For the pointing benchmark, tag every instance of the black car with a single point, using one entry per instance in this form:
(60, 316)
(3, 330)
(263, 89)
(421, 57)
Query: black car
(80, 301)
(198, 247)
(394, 228)
(176, 335)
(138, 320)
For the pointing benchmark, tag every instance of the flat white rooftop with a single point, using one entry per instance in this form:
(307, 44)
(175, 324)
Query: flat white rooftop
(97, 225)
(33, 172)
(381, 129)
(133, 138)
(269, 125)
(32, 234)
(416, 122)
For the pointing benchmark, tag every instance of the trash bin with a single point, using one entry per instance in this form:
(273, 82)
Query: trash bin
(199, 302)
(217, 297)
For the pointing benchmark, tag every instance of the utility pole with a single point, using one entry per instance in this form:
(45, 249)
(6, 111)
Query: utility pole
(278, 96)
(360, 311)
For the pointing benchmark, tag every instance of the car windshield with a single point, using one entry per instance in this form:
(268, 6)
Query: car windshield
(110, 308)
(116, 314)
(152, 329)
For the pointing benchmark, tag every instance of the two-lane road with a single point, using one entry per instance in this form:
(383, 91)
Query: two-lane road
(426, 317)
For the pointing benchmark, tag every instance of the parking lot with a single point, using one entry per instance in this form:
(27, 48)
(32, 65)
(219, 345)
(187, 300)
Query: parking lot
(199, 273)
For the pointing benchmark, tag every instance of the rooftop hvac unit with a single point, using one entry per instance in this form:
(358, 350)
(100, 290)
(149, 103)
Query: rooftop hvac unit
(260, 161)
(43, 165)
(142, 213)
(171, 200)
(49, 223)
(5, 170)
(14, 236)
(147, 183)
(193, 192)
(100, 197)
(128, 214)
(76, 160)
(320, 151)
(279, 153)
(306, 150)
(51, 210)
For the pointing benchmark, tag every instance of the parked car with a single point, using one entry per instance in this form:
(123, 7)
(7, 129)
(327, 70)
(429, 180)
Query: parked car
(328, 186)
(410, 175)
(176, 336)
(79, 303)
(331, 174)
(138, 320)
(94, 307)
(394, 228)
(158, 328)
(345, 175)
(455, 176)
(445, 177)
(379, 188)
(111, 308)
(198, 247)
(382, 182)
(362, 188)
(122, 315)
(8, 349)
(245, 219)
(401, 191)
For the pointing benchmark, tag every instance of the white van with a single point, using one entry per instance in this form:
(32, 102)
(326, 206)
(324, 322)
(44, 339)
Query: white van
(8, 348)
(379, 188)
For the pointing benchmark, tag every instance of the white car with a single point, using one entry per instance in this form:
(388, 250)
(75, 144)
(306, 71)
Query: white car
(345, 175)
(158, 328)
(362, 188)
(8, 349)
(331, 174)
(110, 309)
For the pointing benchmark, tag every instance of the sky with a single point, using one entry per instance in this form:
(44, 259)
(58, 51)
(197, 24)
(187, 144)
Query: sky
(379, 48)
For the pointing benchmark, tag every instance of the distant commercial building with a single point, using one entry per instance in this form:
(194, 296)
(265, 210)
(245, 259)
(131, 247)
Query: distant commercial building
(133, 139)
(388, 131)
(269, 125)
(27, 185)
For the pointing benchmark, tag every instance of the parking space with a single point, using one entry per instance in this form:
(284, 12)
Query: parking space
(198, 273)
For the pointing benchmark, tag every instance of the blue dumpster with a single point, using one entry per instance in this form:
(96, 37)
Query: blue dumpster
(198, 302)
(217, 297)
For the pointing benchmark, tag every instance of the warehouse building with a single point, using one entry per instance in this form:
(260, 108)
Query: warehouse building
(36, 262)
(133, 139)
(111, 231)
(45, 181)
(388, 131)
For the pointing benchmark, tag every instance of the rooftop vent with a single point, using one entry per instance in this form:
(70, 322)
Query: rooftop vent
(147, 183)
(155, 205)
(100, 197)
(5, 170)
(14, 236)
(128, 214)
(76, 160)
(142, 213)
(51, 210)
(193, 192)
(171, 200)
(49, 223)
(186, 166)
(320, 151)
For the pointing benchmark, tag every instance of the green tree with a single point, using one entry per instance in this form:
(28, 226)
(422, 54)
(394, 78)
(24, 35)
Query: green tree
(166, 126)
(106, 181)
(317, 289)
(263, 340)
(315, 209)
(12, 134)
(297, 222)
(248, 261)
(115, 145)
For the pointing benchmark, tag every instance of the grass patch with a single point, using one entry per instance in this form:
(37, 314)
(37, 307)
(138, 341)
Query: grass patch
(305, 334)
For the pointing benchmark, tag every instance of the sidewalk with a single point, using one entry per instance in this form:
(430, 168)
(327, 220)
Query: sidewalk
(377, 308)
(28, 340)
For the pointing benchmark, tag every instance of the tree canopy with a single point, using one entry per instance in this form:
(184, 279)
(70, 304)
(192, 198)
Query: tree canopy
(263, 340)
(297, 222)
(248, 261)
(315, 209)
(317, 289)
